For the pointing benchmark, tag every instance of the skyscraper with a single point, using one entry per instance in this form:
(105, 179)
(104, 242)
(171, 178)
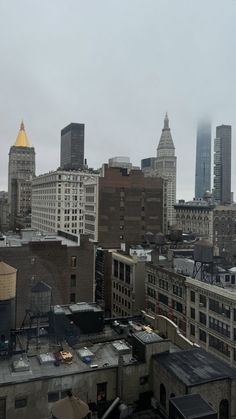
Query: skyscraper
(166, 168)
(21, 170)
(203, 159)
(72, 147)
(222, 165)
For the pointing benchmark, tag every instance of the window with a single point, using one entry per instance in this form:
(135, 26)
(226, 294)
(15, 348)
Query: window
(101, 392)
(3, 408)
(21, 402)
(192, 296)
(202, 335)
(192, 313)
(73, 280)
(202, 318)
(116, 268)
(122, 271)
(72, 297)
(163, 299)
(64, 393)
(202, 300)
(127, 274)
(219, 345)
(53, 397)
(73, 261)
(192, 329)
(219, 326)
(163, 395)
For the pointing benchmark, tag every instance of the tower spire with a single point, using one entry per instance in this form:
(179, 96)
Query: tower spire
(22, 139)
(166, 121)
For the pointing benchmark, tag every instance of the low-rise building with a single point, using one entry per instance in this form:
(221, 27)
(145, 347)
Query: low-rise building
(211, 318)
(195, 217)
(65, 263)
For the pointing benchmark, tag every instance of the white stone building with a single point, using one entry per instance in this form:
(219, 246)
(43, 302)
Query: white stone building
(164, 165)
(58, 201)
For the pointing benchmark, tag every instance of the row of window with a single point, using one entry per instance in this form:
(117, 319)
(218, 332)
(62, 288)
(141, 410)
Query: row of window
(121, 288)
(122, 271)
(121, 300)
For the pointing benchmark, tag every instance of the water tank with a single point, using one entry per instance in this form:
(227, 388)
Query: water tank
(40, 302)
(175, 234)
(203, 251)
(7, 300)
(160, 239)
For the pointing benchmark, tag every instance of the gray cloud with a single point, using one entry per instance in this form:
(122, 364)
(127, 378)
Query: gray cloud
(116, 65)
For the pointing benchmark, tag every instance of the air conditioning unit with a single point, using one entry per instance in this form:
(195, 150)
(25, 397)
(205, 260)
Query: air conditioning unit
(201, 304)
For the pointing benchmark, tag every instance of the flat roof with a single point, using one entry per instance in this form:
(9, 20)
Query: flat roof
(104, 357)
(192, 405)
(226, 292)
(195, 366)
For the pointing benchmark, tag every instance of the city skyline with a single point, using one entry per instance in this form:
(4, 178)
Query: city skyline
(119, 97)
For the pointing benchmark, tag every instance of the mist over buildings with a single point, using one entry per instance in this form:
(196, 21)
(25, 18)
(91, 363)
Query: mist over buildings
(116, 66)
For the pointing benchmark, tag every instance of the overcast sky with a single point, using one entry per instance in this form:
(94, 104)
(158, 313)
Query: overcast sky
(117, 66)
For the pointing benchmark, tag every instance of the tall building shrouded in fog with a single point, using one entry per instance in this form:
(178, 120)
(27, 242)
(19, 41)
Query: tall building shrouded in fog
(21, 171)
(166, 168)
(203, 159)
(72, 147)
(222, 165)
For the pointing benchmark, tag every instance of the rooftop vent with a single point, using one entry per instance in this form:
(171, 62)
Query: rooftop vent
(21, 364)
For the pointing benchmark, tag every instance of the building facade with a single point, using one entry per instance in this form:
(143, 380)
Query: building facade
(211, 318)
(222, 165)
(128, 289)
(4, 211)
(203, 159)
(165, 294)
(164, 166)
(58, 201)
(67, 266)
(225, 231)
(121, 206)
(21, 171)
(195, 217)
(72, 147)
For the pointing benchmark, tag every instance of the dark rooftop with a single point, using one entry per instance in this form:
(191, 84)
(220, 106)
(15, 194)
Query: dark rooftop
(195, 366)
(192, 405)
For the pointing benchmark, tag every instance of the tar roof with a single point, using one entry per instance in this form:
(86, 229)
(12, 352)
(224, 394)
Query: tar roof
(192, 405)
(195, 366)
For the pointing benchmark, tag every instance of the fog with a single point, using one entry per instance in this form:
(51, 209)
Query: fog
(117, 66)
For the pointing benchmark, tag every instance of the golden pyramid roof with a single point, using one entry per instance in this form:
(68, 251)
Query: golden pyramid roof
(22, 139)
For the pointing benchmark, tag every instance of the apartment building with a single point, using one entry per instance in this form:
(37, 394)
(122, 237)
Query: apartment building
(58, 201)
(211, 318)
(165, 294)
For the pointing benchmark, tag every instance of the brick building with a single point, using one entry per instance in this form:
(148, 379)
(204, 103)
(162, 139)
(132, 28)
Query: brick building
(66, 266)
(122, 206)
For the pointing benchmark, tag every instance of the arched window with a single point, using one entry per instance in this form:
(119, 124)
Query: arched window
(163, 395)
(224, 409)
